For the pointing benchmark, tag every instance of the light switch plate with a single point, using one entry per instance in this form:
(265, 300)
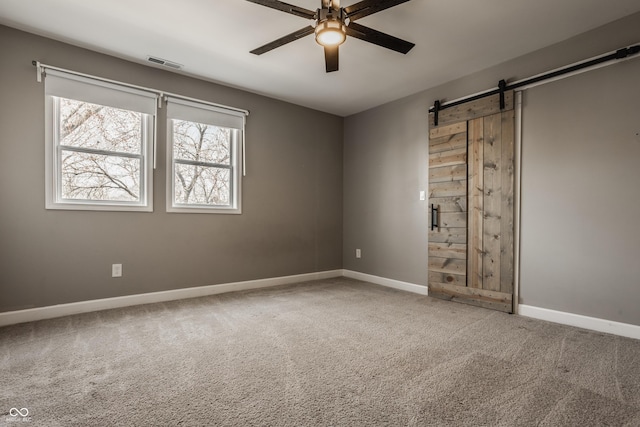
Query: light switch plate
(116, 270)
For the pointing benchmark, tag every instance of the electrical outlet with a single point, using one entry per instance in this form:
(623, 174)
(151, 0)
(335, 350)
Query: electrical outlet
(358, 253)
(423, 195)
(116, 270)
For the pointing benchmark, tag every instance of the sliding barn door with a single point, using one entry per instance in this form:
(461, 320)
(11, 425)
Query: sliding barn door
(471, 186)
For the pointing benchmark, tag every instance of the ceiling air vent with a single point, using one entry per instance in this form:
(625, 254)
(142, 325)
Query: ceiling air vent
(164, 62)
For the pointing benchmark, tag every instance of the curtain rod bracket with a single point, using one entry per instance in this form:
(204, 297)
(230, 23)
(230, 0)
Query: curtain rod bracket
(38, 70)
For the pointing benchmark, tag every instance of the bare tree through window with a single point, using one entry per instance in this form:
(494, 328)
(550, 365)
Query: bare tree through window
(202, 156)
(100, 151)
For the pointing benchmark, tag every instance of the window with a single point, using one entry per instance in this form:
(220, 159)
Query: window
(203, 152)
(98, 143)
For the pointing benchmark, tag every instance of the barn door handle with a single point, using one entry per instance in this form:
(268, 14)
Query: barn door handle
(435, 214)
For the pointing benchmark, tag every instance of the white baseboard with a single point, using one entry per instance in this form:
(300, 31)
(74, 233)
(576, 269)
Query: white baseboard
(593, 323)
(390, 283)
(41, 313)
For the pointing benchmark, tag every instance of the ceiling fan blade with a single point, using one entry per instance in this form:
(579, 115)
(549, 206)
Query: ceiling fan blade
(283, 40)
(368, 7)
(331, 58)
(286, 7)
(376, 37)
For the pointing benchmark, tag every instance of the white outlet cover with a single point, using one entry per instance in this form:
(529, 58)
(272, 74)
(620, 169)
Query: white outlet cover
(116, 270)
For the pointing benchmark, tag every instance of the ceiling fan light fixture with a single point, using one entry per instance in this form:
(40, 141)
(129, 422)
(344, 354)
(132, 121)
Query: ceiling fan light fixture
(330, 33)
(331, 24)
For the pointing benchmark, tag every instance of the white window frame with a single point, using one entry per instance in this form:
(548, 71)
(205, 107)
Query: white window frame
(201, 112)
(60, 84)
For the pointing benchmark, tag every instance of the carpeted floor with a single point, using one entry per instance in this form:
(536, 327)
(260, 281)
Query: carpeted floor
(335, 352)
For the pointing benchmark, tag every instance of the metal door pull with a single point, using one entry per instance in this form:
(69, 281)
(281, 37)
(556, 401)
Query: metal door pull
(435, 216)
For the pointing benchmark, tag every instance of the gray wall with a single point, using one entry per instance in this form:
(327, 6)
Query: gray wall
(292, 196)
(385, 155)
(581, 194)
(385, 158)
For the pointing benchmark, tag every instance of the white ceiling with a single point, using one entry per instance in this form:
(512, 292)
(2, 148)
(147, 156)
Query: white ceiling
(212, 39)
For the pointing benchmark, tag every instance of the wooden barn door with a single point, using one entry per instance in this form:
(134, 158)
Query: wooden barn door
(471, 185)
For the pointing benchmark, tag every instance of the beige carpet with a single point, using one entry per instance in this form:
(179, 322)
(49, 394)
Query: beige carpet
(330, 353)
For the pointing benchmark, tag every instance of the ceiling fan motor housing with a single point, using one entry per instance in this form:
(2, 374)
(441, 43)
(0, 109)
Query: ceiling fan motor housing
(330, 29)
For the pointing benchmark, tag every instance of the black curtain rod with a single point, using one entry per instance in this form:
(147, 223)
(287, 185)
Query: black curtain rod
(619, 54)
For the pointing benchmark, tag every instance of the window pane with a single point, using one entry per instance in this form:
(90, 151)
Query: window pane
(202, 185)
(201, 143)
(87, 176)
(99, 127)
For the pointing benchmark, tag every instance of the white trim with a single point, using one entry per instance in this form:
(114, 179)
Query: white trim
(235, 177)
(593, 323)
(390, 283)
(57, 86)
(517, 206)
(244, 140)
(41, 313)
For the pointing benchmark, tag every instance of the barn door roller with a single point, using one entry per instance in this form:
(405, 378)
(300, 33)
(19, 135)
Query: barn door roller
(502, 86)
(436, 110)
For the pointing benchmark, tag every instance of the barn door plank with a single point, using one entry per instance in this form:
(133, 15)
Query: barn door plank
(476, 202)
(448, 250)
(508, 208)
(448, 193)
(448, 235)
(492, 203)
(450, 204)
(472, 110)
(448, 158)
(448, 173)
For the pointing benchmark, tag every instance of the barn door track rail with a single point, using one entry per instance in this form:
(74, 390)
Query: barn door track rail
(503, 86)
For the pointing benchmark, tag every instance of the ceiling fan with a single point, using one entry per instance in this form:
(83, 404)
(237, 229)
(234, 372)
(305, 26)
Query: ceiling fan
(332, 24)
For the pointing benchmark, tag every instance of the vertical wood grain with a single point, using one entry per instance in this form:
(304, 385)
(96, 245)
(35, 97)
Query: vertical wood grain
(448, 191)
(475, 203)
(492, 171)
(508, 212)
